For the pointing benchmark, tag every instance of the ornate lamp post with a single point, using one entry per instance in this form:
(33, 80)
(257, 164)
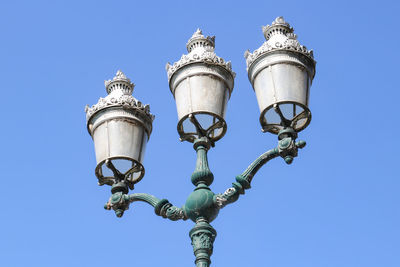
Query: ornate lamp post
(281, 72)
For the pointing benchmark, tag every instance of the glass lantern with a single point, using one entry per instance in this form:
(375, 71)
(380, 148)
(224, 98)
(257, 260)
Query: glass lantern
(281, 72)
(120, 126)
(201, 83)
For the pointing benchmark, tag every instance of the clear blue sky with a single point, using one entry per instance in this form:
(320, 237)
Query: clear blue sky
(336, 205)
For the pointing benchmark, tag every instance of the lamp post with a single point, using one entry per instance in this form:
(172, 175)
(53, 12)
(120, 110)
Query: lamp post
(280, 71)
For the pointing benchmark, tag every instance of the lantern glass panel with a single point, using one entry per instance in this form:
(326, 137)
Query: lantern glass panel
(123, 141)
(205, 98)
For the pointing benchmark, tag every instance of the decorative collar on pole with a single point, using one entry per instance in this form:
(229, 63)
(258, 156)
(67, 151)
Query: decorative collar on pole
(119, 91)
(279, 36)
(201, 50)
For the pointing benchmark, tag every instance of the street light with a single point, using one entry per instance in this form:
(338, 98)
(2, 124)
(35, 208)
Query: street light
(280, 71)
(120, 127)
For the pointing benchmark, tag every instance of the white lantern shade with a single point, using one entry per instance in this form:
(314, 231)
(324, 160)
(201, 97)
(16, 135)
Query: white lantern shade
(121, 137)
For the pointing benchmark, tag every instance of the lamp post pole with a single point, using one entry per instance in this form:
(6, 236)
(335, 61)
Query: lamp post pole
(281, 72)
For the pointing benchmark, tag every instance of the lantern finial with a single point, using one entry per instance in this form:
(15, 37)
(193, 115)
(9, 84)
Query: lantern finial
(198, 40)
(279, 36)
(278, 26)
(119, 82)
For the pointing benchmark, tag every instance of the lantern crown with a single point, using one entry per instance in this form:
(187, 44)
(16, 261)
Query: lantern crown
(119, 91)
(199, 40)
(279, 36)
(201, 50)
(119, 82)
(278, 26)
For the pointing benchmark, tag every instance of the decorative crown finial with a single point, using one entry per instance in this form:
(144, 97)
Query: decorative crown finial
(119, 91)
(198, 32)
(120, 75)
(280, 20)
(199, 40)
(120, 81)
(278, 26)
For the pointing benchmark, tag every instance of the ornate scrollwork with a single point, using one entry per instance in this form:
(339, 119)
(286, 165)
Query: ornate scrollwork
(202, 236)
(223, 199)
(117, 100)
(172, 212)
(119, 202)
(202, 241)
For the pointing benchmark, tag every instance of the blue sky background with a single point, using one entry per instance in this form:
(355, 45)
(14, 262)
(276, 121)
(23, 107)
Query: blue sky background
(336, 205)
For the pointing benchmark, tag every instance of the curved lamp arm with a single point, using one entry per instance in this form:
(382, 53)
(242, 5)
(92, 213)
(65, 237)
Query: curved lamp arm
(287, 149)
(119, 202)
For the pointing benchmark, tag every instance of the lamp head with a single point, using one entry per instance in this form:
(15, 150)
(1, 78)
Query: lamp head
(120, 126)
(201, 83)
(281, 72)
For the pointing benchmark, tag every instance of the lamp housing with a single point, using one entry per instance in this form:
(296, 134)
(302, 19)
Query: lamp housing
(201, 83)
(281, 72)
(120, 126)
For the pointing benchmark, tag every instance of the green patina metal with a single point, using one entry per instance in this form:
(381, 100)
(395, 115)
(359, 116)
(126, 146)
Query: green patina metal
(120, 201)
(202, 205)
(202, 236)
(202, 173)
